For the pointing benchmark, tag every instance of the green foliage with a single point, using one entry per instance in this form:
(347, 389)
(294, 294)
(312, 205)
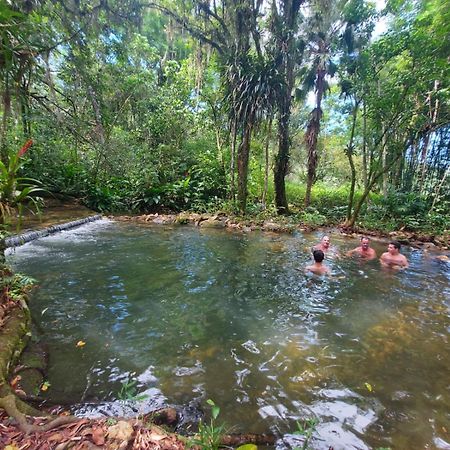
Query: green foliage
(209, 434)
(15, 286)
(133, 115)
(398, 210)
(16, 191)
(406, 211)
(328, 204)
(311, 217)
(201, 188)
(207, 184)
(306, 429)
(128, 391)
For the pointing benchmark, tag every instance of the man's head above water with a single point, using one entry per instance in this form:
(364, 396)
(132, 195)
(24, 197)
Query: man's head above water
(394, 247)
(365, 241)
(325, 241)
(318, 256)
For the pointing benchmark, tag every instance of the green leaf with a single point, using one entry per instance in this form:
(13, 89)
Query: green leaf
(215, 412)
(248, 447)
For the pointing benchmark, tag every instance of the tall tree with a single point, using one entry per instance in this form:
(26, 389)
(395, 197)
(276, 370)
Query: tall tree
(19, 45)
(324, 27)
(232, 30)
(287, 51)
(399, 118)
(359, 19)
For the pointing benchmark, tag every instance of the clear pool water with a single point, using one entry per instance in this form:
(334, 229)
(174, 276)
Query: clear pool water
(193, 314)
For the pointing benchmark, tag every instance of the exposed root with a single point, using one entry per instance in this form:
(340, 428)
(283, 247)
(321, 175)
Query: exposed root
(8, 403)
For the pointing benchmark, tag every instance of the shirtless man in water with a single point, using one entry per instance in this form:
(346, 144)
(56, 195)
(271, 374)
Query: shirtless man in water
(319, 268)
(393, 258)
(324, 244)
(364, 250)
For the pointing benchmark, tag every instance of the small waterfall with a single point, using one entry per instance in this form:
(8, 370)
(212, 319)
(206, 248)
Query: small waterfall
(20, 239)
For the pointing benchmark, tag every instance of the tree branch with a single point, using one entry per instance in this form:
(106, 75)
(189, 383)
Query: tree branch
(203, 6)
(194, 31)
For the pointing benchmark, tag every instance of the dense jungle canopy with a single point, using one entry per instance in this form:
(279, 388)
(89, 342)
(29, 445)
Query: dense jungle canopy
(287, 106)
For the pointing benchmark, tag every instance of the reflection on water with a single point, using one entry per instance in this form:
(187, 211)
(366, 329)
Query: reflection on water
(195, 314)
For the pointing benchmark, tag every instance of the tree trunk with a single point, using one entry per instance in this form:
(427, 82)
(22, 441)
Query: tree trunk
(351, 194)
(287, 54)
(99, 127)
(242, 163)
(422, 172)
(349, 153)
(282, 158)
(438, 189)
(217, 129)
(384, 164)
(384, 185)
(233, 160)
(351, 222)
(266, 165)
(6, 113)
(51, 86)
(25, 111)
(312, 133)
(364, 149)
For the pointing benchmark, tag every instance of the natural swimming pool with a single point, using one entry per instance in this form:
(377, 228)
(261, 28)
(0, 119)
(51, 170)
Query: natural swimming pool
(197, 314)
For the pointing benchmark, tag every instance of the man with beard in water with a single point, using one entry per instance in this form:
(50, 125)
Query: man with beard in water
(393, 259)
(364, 250)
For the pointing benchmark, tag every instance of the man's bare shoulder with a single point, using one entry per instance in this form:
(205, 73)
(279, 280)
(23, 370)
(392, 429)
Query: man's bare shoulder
(317, 270)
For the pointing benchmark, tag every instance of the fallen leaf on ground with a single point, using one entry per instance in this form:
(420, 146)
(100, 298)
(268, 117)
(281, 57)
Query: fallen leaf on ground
(45, 385)
(98, 436)
(121, 431)
(55, 437)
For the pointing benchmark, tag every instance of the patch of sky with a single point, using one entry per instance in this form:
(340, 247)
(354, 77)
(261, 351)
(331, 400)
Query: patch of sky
(437, 153)
(381, 24)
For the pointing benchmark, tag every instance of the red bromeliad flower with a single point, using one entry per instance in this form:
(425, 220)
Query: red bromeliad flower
(24, 149)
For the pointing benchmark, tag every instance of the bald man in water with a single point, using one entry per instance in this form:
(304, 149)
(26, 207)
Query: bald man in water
(324, 244)
(330, 251)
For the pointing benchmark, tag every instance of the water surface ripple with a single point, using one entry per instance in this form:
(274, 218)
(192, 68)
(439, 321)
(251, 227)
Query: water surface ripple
(193, 314)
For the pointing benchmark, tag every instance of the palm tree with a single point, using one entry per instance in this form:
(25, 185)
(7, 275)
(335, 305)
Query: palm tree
(251, 97)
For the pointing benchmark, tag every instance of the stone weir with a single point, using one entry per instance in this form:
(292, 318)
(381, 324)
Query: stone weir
(20, 239)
